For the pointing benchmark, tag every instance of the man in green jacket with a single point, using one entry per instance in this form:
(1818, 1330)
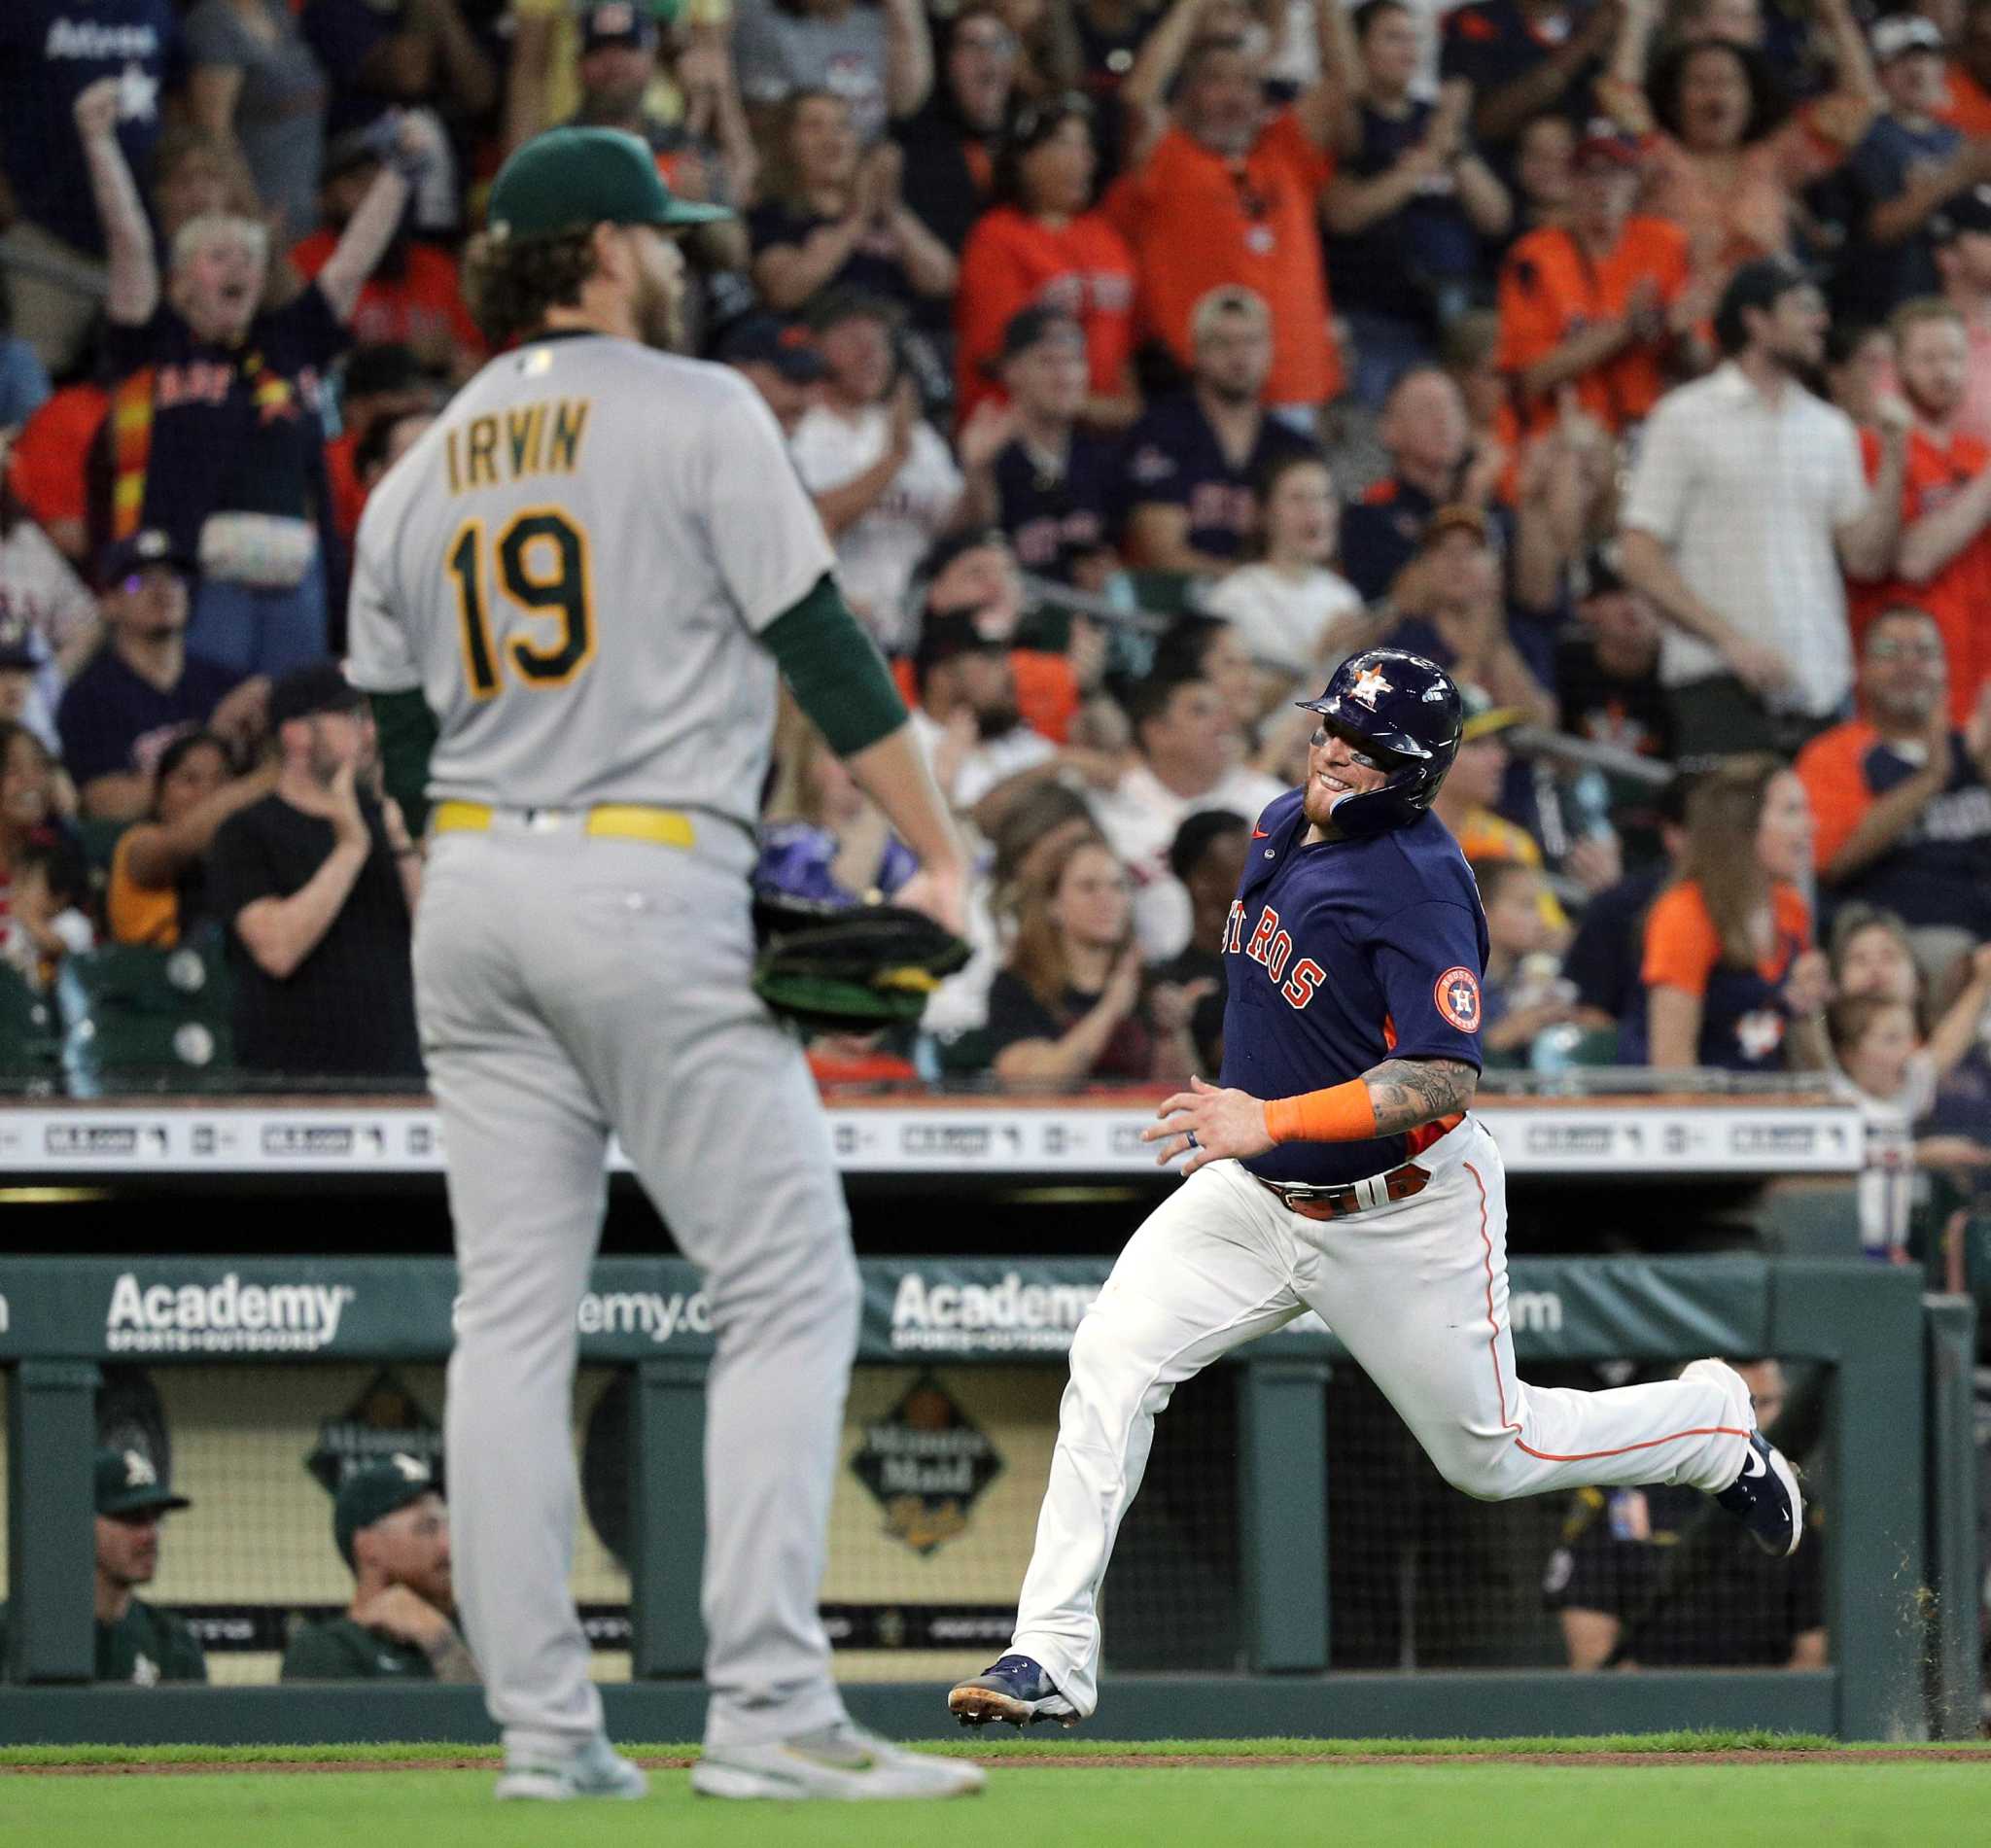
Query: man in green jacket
(392, 1529)
(136, 1642)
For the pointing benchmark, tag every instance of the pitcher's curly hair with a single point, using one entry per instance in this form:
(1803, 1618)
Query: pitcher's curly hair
(511, 282)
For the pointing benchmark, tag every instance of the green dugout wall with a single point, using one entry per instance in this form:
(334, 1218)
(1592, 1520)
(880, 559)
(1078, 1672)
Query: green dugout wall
(1901, 1596)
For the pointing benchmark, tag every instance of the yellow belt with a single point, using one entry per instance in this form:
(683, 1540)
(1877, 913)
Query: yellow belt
(621, 820)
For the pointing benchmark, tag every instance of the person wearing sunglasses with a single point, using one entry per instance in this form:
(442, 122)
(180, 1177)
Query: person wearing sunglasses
(1899, 794)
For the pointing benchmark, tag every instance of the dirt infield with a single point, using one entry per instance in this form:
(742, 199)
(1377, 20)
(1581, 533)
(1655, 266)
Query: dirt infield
(1131, 1761)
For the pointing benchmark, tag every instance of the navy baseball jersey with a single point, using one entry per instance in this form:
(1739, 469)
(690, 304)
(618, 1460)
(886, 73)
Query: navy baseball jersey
(1339, 956)
(1173, 455)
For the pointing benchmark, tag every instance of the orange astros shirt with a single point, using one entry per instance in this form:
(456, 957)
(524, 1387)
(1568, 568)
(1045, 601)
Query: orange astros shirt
(1011, 262)
(1197, 221)
(1550, 288)
(1959, 595)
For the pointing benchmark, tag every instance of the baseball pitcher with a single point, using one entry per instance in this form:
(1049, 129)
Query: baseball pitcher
(1355, 951)
(590, 571)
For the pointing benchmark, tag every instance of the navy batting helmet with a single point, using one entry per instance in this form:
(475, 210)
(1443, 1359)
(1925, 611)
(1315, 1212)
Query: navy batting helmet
(1405, 711)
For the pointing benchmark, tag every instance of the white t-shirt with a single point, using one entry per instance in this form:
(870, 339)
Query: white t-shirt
(1140, 819)
(993, 760)
(1745, 493)
(877, 555)
(1887, 1183)
(1282, 619)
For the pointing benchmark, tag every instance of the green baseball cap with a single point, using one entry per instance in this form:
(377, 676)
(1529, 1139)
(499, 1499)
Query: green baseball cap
(129, 1484)
(568, 179)
(376, 1492)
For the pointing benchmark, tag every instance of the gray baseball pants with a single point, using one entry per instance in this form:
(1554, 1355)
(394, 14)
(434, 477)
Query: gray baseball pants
(568, 986)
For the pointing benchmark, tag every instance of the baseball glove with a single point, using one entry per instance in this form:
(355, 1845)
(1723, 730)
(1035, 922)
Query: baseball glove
(850, 968)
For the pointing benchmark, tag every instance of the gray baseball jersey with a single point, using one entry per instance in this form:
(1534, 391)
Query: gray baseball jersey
(571, 564)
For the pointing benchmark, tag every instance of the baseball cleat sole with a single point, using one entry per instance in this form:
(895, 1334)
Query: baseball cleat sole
(978, 1706)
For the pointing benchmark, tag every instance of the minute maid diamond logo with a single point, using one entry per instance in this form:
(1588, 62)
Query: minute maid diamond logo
(927, 1462)
(385, 1424)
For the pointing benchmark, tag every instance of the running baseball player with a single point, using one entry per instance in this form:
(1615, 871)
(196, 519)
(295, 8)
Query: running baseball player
(1353, 949)
(591, 570)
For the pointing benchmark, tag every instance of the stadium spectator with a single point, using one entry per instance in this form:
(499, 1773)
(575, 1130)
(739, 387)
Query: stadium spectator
(1746, 502)
(1296, 617)
(1606, 305)
(193, 175)
(877, 59)
(1452, 609)
(1722, 161)
(1033, 470)
(1607, 687)
(1859, 370)
(1966, 104)
(46, 920)
(35, 798)
(1466, 798)
(136, 1642)
(1188, 750)
(1544, 172)
(1208, 855)
(45, 611)
(1902, 176)
(157, 889)
(1409, 206)
(47, 469)
(1526, 60)
(1871, 953)
(1523, 993)
(1963, 262)
(1226, 197)
(1730, 977)
(1193, 457)
(19, 663)
(1042, 245)
(881, 477)
(955, 144)
(315, 885)
(1902, 797)
(1642, 1579)
(387, 439)
(1943, 559)
(144, 686)
(48, 234)
(780, 363)
(1427, 434)
(414, 295)
(1201, 647)
(967, 719)
(375, 383)
(219, 435)
(1068, 1006)
(821, 839)
(391, 1529)
(1469, 352)
(833, 216)
(256, 84)
(1604, 957)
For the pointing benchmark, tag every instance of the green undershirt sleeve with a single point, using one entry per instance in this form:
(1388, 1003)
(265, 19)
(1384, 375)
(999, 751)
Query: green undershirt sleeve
(408, 735)
(839, 677)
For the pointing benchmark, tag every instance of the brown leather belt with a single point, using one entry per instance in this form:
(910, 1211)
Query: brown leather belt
(1358, 1197)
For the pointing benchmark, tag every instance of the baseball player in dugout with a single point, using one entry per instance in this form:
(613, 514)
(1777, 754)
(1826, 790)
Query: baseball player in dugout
(1336, 1166)
(391, 1529)
(136, 1642)
(576, 594)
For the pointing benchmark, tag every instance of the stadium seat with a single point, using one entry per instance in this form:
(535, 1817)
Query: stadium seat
(30, 1038)
(141, 1019)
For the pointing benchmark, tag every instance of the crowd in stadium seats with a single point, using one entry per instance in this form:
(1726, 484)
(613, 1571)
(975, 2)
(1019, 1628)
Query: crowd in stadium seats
(1631, 359)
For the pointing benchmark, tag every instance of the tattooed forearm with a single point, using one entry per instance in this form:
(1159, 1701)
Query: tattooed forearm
(1407, 1092)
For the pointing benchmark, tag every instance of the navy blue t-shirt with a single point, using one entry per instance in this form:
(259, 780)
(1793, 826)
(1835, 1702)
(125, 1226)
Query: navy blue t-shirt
(114, 722)
(50, 51)
(872, 267)
(1174, 456)
(344, 34)
(1339, 956)
(1885, 275)
(1492, 43)
(1938, 872)
(1054, 520)
(1398, 264)
(232, 428)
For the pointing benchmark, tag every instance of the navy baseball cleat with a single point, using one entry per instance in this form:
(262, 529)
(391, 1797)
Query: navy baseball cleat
(1016, 1689)
(1766, 1497)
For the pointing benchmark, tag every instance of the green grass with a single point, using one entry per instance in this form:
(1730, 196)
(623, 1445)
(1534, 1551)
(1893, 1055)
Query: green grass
(1479, 1805)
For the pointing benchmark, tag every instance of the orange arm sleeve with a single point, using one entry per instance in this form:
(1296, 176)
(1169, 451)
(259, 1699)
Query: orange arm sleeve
(1342, 1113)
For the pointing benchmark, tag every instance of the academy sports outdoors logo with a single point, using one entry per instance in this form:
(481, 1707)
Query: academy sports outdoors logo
(649, 1312)
(1009, 1317)
(228, 1317)
(1457, 995)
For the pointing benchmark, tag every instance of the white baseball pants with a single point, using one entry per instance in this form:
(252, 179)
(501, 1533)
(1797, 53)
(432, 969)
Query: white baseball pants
(1416, 1290)
(568, 985)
